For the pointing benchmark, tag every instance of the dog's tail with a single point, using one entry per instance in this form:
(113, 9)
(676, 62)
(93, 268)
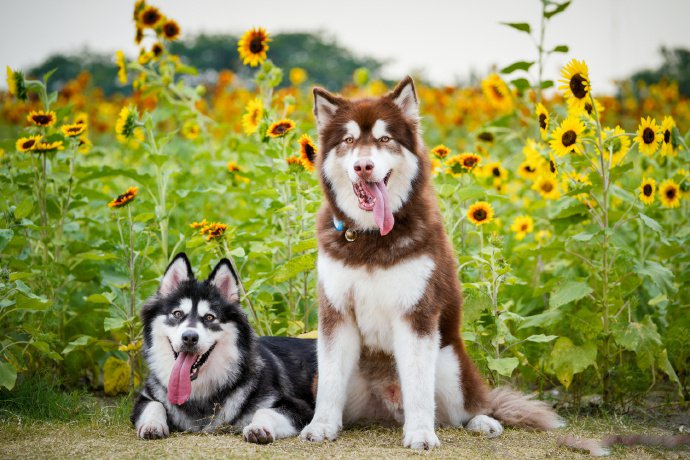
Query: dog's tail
(516, 409)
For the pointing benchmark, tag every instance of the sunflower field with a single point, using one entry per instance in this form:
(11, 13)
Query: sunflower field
(569, 214)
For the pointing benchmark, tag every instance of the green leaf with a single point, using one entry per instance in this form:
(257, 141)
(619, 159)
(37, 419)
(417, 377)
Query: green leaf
(294, 267)
(110, 324)
(541, 338)
(569, 292)
(520, 65)
(651, 223)
(557, 10)
(546, 319)
(470, 193)
(100, 298)
(23, 209)
(82, 341)
(521, 26)
(546, 84)
(468, 336)
(521, 84)
(238, 252)
(504, 366)
(661, 276)
(567, 359)
(32, 302)
(583, 236)
(8, 375)
(305, 245)
(5, 237)
(561, 49)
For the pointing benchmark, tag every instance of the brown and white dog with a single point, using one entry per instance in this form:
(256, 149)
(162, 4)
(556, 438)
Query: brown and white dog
(390, 303)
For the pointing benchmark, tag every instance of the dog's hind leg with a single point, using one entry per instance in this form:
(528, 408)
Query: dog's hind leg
(415, 356)
(150, 419)
(338, 349)
(268, 425)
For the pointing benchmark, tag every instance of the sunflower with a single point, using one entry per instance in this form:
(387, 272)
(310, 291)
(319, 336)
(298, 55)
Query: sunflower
(252, 116)
(649, 136)
(307, 152)
(233, 167)
(171, 30)
(440, 151)
(125, 198)
(84, 145)
(436, 166)
(157, 49)
(298, 76)
(459, 164)
(529, 169)
(495, 170)
(150, 16)
(497, 92)
(253, 46)
(647, 189)
(138, 36)
(190, 130)
(214, 230)
(589, 109)
(567, 137)
(197, 225)
(294, 161)
(543, 119)
(41, 118)
(486, 136)
(82, 118)
(121, 67)
(47, 147)
(145, 57)
(280, 128)
(575, 85)
(480, 213)
(669, 193)
(667, 146)
(543, 236)
(469, 160)
(547, 187)
(521, 226)
(24, 144)
(15, 84)
(551, 167)
(73, 130)
(616, 144)
(126, 123)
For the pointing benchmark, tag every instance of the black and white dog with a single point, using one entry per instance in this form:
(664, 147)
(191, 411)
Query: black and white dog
(208, 369)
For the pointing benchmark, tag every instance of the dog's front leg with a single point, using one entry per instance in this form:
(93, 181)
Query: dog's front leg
(338, 350)
(415, 356)
(150, 419)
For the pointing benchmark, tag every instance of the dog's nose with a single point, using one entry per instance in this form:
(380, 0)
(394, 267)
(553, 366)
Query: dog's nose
(364, 168)
(190, 337)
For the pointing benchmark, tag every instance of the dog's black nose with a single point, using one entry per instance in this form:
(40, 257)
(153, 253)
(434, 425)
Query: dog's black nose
(190, 337)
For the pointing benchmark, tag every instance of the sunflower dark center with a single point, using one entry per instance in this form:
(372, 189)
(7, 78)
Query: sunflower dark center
(310, 153)
(588, 108)
(529, 169)
(667, 136)
(469, 162)
(256, 45)
(479, 214)
(157, 49)
(486, 137)
(552, 167)
(42, 119)
(542, 121)
(151, 17)
(280, 129)
(497, 92)
(647, 190)
(523, 228)
(171, 30)
(569, 138)
(670, 193)
(648, 135)
(578, 85)
(496, 172)
(547, 187)
(28, 144)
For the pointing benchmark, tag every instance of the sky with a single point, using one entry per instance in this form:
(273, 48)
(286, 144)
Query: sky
(444, 41)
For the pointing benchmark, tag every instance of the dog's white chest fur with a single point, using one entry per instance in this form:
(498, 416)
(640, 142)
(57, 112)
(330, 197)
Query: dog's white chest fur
(375, 295)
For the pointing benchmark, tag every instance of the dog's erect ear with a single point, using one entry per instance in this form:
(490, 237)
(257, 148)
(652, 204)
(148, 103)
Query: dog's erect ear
(178, 271)
(225, 279)
(325, 106)
(405, 97)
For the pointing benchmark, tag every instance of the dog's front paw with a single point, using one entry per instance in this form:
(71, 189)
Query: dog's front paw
(257, 434)
(153, 430)
(483, 424)
(421, 439)
(319, 432)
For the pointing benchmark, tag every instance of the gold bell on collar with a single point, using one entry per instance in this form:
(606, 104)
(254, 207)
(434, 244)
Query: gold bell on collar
(350, 235)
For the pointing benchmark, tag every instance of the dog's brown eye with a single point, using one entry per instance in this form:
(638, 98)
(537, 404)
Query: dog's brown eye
(349, 139)
(384, 139)
(177, 314)
(209, 318)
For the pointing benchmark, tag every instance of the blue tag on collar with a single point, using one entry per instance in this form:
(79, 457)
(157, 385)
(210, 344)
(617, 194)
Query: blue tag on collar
(338, 224)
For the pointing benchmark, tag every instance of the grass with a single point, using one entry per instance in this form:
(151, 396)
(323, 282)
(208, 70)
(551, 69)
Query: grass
(79, 425)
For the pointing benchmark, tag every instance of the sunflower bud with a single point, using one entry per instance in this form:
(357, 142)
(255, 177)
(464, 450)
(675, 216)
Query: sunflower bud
(16, 84)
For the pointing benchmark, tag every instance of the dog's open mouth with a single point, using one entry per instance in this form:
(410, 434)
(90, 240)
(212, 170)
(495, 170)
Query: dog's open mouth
(185, 370)
(373, 196)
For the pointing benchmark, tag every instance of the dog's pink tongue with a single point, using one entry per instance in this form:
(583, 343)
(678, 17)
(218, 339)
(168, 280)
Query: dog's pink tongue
(180, 383)
(382, 210)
